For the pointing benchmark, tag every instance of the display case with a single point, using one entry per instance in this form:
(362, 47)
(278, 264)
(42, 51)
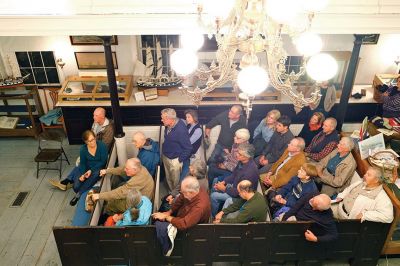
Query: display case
(94, 89)
(20, 109)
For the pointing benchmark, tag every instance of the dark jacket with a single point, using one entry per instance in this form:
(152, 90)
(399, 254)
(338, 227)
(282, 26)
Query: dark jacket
(307, 134)
(197, 143)
(225, 138)
(321, 145)
(277, 145)
(177, 143)
(324, 227)
(149, 155)
(296, 189)
(246, 171)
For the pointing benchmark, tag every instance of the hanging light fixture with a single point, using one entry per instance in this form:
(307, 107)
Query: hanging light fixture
(253, 28)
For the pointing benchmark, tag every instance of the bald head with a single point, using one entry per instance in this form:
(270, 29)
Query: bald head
(139, 139)
(321, 202)
(99, 115)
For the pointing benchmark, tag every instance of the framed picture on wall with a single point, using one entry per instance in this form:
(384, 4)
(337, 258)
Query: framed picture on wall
(90, 40)
(93, 60)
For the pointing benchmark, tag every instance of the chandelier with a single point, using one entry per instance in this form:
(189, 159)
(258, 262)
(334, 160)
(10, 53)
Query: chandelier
(254, 28)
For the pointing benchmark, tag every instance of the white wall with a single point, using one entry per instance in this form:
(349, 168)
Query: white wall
(373, 58)
(125, 50)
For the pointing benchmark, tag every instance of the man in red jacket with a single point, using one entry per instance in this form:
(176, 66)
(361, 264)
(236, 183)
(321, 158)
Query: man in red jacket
(191, 207)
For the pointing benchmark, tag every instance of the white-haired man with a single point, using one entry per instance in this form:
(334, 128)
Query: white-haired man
(176, 148)
(365, 199)
(336, 170)
(139, 178)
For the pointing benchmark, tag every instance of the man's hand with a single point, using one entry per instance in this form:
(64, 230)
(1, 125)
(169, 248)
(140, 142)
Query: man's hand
(278, 198)
(359, 216)
(95, 197)
(207, 132)
(267, 179)
(220, 186)
(221, 166)
(170, 199)
(310, 236)
(87, 174)
(160, 216)
(82, 178)
(117, 217)
(219, 215)
(319, 170)
(103, 172)
(263, 161)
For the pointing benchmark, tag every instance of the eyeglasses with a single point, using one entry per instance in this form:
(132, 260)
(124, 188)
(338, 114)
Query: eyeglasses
(91, 140)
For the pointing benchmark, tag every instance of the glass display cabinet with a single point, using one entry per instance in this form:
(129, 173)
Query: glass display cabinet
(94, 89)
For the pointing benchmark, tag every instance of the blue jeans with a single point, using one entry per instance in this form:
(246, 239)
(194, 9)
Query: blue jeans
(216, 154)
(81, 187)
(214, 172)
(218, 198)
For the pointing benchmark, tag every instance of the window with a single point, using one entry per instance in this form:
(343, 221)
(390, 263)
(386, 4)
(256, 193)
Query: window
(40, 65)
(165, 42)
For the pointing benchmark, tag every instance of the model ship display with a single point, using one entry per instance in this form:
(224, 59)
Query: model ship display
(160, 80)
(13, 81)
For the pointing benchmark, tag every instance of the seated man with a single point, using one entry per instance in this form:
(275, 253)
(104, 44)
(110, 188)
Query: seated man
(336, 169)
(245, 170)
(315, 208)
(365, 200)
(324, 142)
(191, 207)
(139, 179)
(250, 208)
(286, 167)
(287, 196)
(276, 146)
(103, 127)
(149, 151)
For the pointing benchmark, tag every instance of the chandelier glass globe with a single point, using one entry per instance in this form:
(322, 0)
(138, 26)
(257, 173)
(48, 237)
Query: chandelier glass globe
(308, 43)
(252, 80)
(322, 67)
(184, 61)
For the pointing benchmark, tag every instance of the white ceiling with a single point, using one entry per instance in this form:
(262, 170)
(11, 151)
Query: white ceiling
(134, 17)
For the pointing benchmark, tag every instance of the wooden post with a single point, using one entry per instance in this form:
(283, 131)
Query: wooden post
(349, 81)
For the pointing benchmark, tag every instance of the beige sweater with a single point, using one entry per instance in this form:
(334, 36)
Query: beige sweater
(142, 181)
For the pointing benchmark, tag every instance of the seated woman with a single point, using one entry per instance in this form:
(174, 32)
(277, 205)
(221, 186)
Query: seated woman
(314, 126)
(287, 196)
(93, 158)
(365, 199)
(263, 132)
(391, 100)
(138, 211)
(229, 162)
(337, 168)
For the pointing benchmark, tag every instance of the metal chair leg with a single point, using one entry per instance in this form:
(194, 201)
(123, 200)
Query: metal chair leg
(60, 166)
(37, 170)
(66, 158)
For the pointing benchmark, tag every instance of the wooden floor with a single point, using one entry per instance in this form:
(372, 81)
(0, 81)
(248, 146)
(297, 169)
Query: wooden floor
(26, 236)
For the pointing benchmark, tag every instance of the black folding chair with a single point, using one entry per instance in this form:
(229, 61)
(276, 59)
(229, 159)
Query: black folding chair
(50, 150)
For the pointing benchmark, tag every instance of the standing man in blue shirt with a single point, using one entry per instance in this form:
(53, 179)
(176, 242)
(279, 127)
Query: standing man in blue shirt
(176, 148)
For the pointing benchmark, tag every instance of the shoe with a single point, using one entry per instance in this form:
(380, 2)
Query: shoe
(74, 201)
(171, 234)
(60, 186)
